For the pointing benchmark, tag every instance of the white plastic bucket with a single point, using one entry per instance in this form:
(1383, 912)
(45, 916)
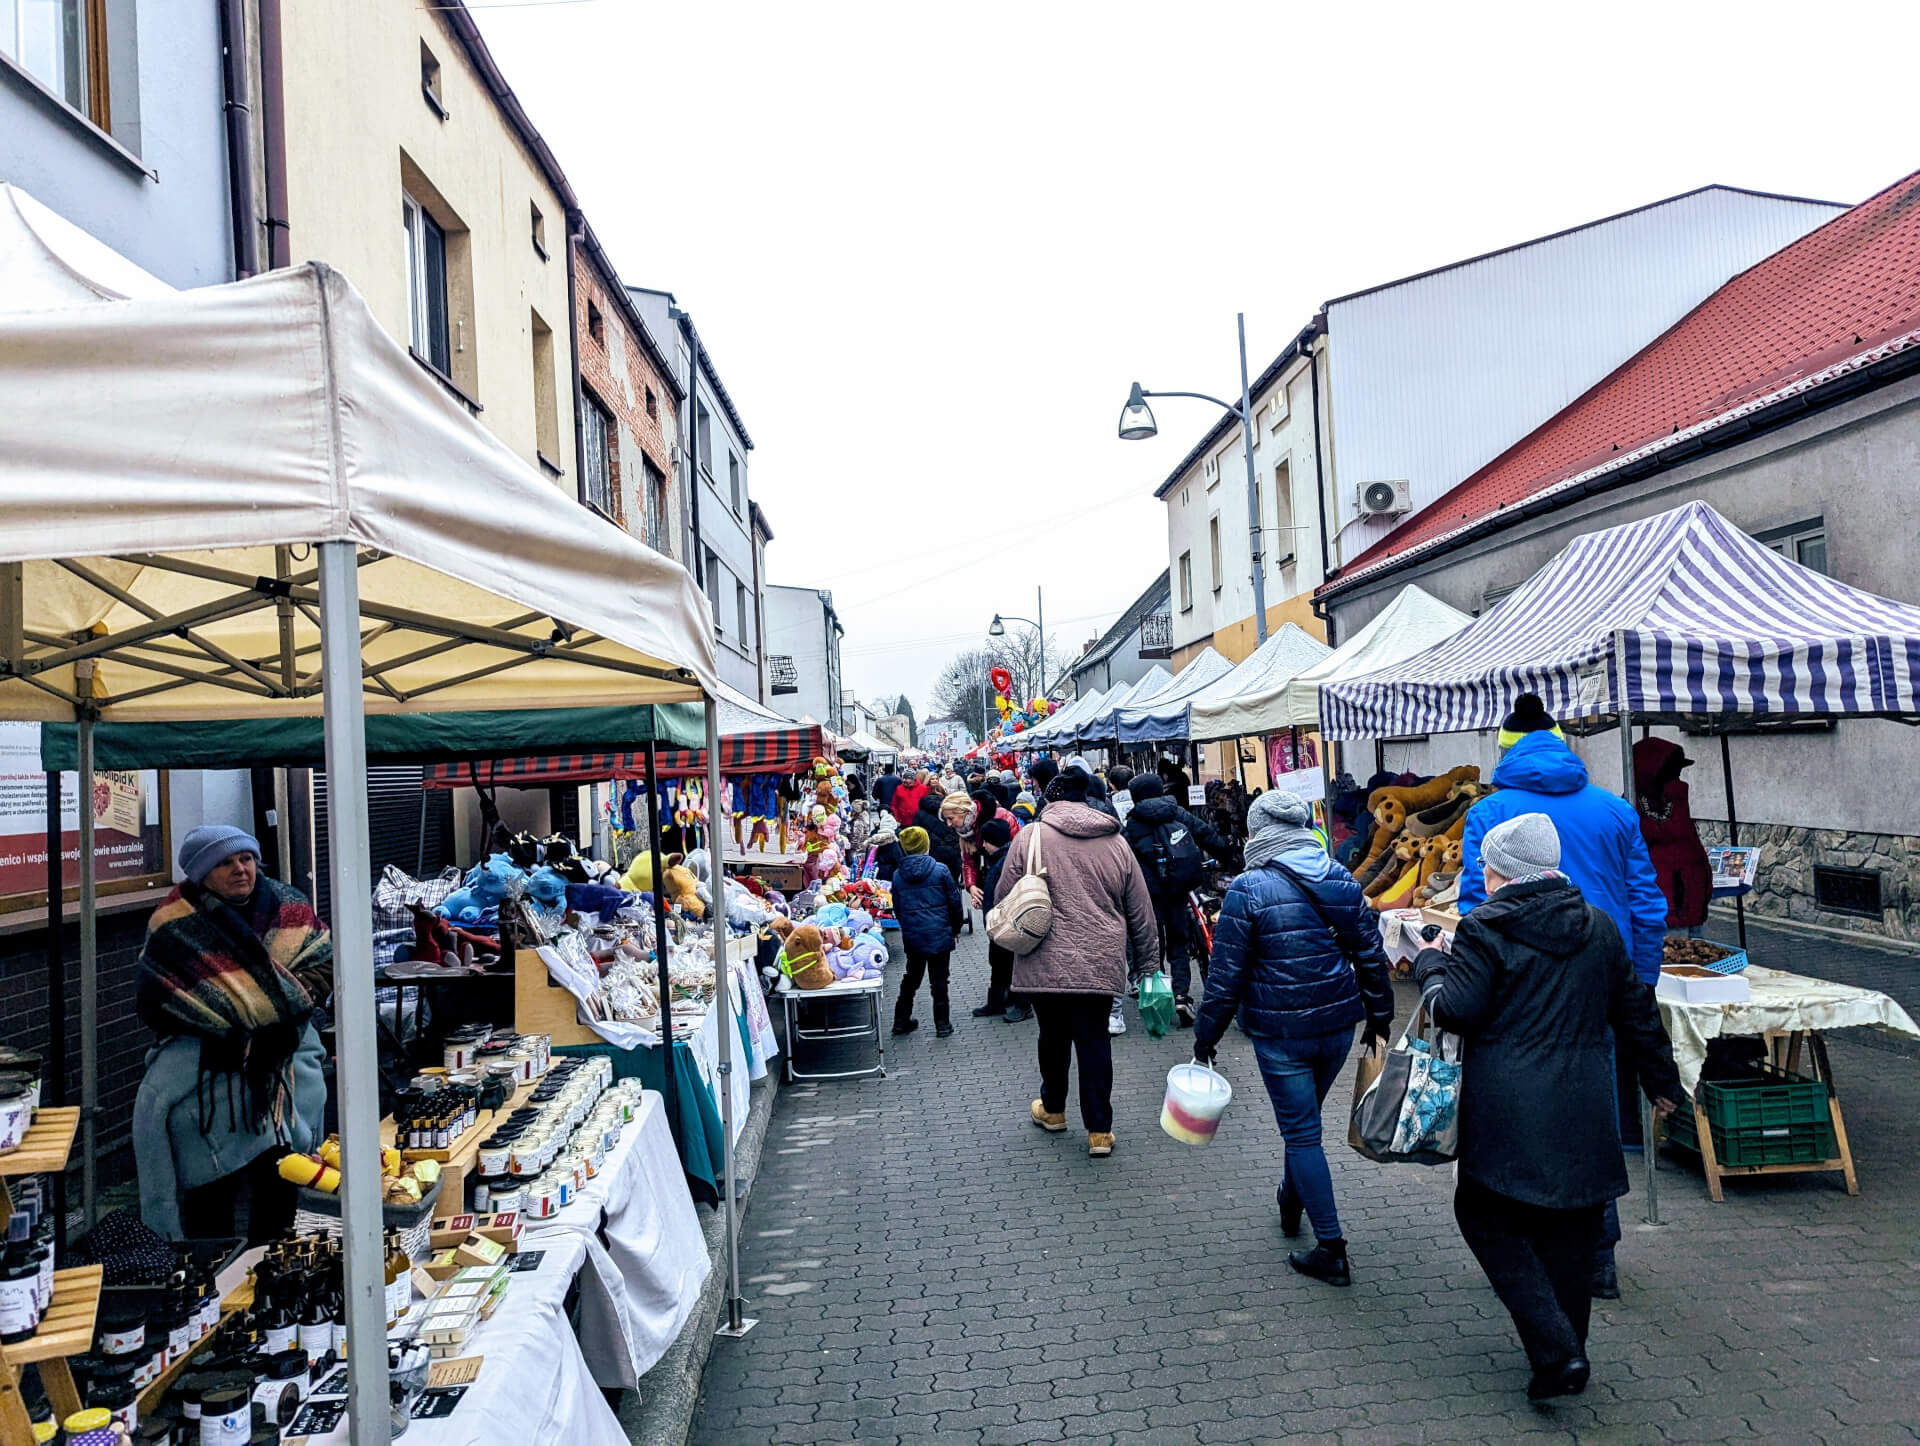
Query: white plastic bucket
(1197, 1097)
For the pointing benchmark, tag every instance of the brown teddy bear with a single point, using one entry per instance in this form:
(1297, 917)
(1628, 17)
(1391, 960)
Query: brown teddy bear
(1389, 817)
(683, 891)
(1413, 798)
(804, 959)
(1388, 868)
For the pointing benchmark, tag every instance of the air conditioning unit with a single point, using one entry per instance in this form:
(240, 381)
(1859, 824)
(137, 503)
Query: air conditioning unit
(1386, 499)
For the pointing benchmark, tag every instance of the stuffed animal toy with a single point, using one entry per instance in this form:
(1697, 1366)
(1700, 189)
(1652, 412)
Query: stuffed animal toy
(1400, 894)
(1435, 822)
(683, 892)
(1388, 869)
(757, 836)
(823, 793)
(1416, 797)
(596, 899)
(548, 887)
(1389, 817)
(487, 887)
(803, 958)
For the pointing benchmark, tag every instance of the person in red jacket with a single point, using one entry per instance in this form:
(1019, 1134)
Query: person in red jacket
(1666, 822)
(906, 798)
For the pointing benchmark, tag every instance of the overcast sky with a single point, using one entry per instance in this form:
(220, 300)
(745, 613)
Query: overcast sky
(929, 246)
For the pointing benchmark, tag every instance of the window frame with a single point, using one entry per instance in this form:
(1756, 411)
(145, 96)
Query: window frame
(1215, 554)
(86, 68)
(1789, 540)
(597, 459)
(538, 230)
(423, 235)
(744, 611)
(736, 495)
(653, 505)
(1185, 570)
(1285, 548)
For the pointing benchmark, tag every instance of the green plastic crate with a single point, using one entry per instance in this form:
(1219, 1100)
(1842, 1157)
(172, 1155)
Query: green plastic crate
(1769, 1118)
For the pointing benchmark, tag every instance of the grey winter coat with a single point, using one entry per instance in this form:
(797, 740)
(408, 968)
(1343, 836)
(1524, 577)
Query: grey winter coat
(1102, 913)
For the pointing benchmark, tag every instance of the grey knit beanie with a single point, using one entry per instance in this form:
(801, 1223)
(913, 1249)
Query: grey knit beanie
(1277, 810)
(1521, 846)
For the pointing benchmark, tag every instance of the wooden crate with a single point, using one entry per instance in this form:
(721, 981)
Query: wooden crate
(541, 1006)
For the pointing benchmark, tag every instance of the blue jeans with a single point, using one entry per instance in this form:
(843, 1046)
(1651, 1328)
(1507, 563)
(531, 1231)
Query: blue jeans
(1298, 1074)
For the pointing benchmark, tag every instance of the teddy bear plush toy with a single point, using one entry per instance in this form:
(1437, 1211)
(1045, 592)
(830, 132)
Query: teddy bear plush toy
(548, 886)
(1415, 797)
(683, 892)
(803, 957)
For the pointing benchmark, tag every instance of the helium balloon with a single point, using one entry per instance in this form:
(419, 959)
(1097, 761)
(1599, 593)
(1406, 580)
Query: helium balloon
(1001, 679)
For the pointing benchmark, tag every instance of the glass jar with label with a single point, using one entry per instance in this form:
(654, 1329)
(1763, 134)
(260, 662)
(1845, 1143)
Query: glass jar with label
(16, 1113)
(226, 1416)
(120, 1329)
(20, 1308)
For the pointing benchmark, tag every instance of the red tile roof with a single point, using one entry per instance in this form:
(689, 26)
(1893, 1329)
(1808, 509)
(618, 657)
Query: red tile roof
(1834, 293)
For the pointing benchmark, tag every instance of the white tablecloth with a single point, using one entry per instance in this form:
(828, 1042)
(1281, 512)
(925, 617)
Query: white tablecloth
(1780, 1001)
(635, 1226)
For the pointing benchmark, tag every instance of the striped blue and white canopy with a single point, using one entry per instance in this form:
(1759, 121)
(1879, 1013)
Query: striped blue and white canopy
(1711, 622)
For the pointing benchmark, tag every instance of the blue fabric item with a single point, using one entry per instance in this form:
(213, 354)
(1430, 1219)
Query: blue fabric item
(178, 1145)
(1601, 846)
(596, 899)
(926, 901)
(1298, 1074)
(211, 844)
(1276, 963)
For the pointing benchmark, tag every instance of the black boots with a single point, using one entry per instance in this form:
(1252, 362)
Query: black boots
(988, 1010)
(1606, 1280)
(1569, 1378)
(1290, 1210)
(905, 1026)
(1327, 1261)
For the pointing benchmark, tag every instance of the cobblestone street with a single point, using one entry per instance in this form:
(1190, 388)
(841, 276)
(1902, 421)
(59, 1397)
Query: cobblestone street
(928, 1267)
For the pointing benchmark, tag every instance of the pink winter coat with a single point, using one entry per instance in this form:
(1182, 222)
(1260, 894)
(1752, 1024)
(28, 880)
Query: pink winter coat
(1102, 913)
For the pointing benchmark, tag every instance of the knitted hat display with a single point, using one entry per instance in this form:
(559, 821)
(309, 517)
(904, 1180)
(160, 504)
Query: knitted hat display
(913, 840)
(1528, 844)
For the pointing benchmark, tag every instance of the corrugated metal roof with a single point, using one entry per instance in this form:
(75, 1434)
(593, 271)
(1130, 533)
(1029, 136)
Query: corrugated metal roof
(1847, 289)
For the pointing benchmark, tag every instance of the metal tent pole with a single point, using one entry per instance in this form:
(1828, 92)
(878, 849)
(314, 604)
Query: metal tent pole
(357, 1065)
(56, 1079)
(669, 1088)
(1733, 830)
(737, 1322)
(89, 951)
(1649, 1151)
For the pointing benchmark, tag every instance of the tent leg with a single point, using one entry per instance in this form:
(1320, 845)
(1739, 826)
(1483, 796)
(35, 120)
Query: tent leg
(1649, 1149)
(357, 1067)
(56, 1081)
(1733, 831)
(662, 953)
(89, 961)
(737, 1323)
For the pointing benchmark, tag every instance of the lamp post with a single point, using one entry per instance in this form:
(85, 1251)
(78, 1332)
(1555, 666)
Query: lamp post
(1137, 424)
(999, 628)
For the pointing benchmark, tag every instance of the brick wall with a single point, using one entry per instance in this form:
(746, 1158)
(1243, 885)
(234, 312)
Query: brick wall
(618, 370)
(123, 1039)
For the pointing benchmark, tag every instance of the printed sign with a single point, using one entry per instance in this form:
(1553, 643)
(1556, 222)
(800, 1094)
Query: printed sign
(1123, 804)
(1734, 867)
(1196, 795)
(126, 814)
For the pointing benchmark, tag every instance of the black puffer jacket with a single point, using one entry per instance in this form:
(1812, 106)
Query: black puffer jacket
(942, 842)
(1144, 822)
(926, 901)
(1276, 962)
(1539, 985)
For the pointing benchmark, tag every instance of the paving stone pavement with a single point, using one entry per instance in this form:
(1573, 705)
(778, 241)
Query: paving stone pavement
(928, 1267)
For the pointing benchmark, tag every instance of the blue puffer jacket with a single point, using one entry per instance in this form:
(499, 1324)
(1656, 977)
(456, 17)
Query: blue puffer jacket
(1601, 847)
(1275, 962)
(926, 901)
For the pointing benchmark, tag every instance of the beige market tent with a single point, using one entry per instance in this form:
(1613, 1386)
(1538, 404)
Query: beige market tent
(247, 504)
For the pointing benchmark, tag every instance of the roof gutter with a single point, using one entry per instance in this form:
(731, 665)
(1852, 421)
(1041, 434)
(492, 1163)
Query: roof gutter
(1735, 430)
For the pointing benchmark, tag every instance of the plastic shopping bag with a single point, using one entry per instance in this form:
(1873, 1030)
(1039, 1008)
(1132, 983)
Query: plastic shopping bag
(1156, 1004)
(1410, 1114)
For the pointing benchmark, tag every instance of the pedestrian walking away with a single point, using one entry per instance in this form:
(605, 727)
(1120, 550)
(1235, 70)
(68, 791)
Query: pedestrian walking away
(1171, 844)
(1297, 956)
(926, 901)
(884, 785)
(1102, 919)
(995, 836)
(1538, 985)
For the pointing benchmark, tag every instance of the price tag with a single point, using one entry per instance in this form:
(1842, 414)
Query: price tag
(1196, 795)
(462, 1372)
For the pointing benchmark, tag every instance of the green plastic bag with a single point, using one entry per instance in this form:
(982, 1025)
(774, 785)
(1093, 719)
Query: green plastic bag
(1156, 1004)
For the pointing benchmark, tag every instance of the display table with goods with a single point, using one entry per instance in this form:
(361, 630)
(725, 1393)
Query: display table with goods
(1777, 1117)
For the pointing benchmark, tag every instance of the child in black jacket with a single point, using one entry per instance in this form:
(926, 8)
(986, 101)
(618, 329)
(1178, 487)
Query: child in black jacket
(926, 901)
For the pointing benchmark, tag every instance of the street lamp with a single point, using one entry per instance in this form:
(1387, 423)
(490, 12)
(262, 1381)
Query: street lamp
(998, 629)
(1137, 424)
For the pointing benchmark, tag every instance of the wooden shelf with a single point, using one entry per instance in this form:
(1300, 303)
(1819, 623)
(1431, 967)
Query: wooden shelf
(48, 1143)
(67, 1327)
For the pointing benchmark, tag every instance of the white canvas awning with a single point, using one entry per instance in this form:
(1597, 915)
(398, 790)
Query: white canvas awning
(171, 458)
(1097, 724)
(1243, 704)
(1164, 715)
(1413, 622)
(1059, 725)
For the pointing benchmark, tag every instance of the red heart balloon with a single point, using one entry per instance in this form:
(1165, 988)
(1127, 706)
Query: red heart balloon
(1001, 679)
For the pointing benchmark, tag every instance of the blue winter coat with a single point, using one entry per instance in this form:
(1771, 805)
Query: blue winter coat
(1601, 848)
(926, 901)
(1276, 963)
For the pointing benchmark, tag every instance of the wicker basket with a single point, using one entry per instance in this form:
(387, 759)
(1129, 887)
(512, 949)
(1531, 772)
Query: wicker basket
(319, 1214)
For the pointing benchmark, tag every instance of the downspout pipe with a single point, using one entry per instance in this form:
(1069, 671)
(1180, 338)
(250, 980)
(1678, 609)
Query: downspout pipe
(233, 79)
(273, 136)
(693, 447)
(576, 233)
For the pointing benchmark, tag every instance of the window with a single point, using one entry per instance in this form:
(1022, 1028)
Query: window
(596, 324)
(733, 479)
(597, 460)
(1186, 582)
(1213, 549)
(546, 410)
(653, 405)
(1284, 537)
(539, 231)
(653, 505)
(740, 603)
(713, 589)
(430, 82)
(1277, 410)
(63, 45)
(705, 424)
(1801, 542)
(426, 285)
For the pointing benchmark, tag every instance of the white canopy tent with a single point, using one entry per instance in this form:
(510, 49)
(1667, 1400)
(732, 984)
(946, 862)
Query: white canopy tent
(248, 504)
(1097, 724)
(1413, 622)
(1243, 704)
(1058, 726)
(1164, 715)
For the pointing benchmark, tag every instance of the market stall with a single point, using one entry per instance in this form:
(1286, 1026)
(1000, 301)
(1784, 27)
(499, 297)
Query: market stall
(1059, 727)
(1676, 618)
(1100, 724)
(1413, 622)
(1160, 716)
(243, 515)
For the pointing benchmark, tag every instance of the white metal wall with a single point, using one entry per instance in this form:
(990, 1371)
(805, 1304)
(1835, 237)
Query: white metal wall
(1432, 379)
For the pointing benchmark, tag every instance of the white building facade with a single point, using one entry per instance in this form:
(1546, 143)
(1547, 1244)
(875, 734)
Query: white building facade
(803, 652)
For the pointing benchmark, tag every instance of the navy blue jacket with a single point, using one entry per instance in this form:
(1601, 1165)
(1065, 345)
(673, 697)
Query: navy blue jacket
(926, 901)
(1275, 962)
(883, 788)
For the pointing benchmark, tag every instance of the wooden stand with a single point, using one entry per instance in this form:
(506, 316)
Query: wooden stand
(458, 1162)
(67, 1328)
(1785, 1048)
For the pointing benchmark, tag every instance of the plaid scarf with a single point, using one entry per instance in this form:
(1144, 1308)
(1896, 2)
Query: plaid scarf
(234, 980)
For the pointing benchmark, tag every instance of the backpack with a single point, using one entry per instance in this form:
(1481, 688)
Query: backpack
(1175, 856)
(1022, 920)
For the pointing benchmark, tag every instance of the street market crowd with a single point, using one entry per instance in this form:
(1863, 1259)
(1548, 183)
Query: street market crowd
(1547, 981)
